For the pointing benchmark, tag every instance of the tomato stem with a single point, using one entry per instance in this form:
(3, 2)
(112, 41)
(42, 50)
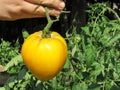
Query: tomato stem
(46, 32)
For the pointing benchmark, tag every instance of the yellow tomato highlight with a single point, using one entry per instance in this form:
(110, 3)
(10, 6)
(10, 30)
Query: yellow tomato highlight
(44, 57)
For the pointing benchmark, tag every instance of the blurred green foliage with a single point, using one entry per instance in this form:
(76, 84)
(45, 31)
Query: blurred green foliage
(93, 61)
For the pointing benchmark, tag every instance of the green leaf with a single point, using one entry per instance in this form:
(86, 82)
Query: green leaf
(54, 83)
(113, 39)
(2, 88)
(74, 50)
(105, 19)
(11, 79)
(86, 30)
(98, 69)
(116, 75)
(22, 73)
(90, 53)
(25, 34)
(15, 61)
(80, 86)
(67, 64)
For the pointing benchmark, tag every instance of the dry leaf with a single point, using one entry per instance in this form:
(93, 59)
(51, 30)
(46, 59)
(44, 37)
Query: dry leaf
(1, 68)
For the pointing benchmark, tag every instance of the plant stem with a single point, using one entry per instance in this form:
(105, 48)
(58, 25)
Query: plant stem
(50, 22)
(46, 32)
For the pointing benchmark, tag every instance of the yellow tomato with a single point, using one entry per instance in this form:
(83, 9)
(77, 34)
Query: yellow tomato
(44, 57)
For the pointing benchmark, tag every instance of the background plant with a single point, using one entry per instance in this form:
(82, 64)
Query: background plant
(93, 62)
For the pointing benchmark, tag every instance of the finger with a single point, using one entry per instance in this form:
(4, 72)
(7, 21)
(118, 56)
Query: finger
(57, 4)
(39, 10)
(29, 10)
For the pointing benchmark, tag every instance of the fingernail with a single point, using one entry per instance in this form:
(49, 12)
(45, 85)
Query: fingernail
(57, 12)
(61, 5)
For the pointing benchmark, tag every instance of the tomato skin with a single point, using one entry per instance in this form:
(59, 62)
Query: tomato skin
(44, 57)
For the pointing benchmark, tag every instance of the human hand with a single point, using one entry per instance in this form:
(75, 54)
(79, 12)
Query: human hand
(19, 9)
